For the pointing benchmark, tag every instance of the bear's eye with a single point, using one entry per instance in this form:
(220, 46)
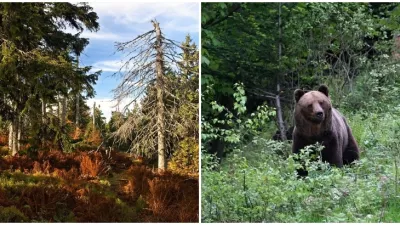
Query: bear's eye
(310, 106)
(321, 102)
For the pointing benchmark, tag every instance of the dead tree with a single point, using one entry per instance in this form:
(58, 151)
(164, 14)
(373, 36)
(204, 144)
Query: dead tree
(143, 80)
(160, 95)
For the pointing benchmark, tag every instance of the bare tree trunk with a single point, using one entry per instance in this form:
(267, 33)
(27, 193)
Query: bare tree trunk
(14, 135)
(19, 134)
(10, 139)
(43, 111)
(14, 131)
(77, 110)
(58, 106)
(281, 124)
(54, 110)
(94, 117)
(77, 103)
(162, 165)
(44, 121)
(63, 110)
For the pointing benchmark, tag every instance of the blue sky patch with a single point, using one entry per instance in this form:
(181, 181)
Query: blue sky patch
(123, 21)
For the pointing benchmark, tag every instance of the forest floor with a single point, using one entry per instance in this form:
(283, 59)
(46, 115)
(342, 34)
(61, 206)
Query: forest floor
(258, 181)
(52, 186)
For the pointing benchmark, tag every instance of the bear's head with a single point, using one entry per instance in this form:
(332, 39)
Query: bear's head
(313, 106)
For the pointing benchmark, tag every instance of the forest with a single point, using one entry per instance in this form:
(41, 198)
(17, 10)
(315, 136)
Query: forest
(60, 161)
(253, 57)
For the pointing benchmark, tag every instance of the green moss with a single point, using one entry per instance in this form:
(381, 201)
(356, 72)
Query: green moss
(140, 204)
(12, 214)
(124, 212)
(17, 178)
(63, 215)
(4, 151)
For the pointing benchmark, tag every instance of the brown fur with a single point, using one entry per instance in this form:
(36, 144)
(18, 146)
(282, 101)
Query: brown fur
(317, 121)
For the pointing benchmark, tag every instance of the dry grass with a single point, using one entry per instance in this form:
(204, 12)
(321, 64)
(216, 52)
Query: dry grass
(3, 139)
(94, 187)
(170, 197)
(93, 165)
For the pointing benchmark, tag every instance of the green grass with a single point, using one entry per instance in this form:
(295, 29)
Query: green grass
(391, 214)
(257, 181)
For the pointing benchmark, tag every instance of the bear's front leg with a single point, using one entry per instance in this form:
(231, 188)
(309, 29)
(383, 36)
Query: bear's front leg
(332, 153)
(351, 152)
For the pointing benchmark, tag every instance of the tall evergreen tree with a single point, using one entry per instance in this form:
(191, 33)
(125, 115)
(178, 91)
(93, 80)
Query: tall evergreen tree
(35, 48)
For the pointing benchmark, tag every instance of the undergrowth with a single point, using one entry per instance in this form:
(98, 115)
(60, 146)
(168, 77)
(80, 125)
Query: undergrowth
(257, 181)
(52, 186)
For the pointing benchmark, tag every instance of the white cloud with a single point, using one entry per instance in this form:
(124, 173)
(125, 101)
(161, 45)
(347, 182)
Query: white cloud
(136, 16)
(177, 26)
(133, 13)
(108, 65)
(100, 35)
(108, 105)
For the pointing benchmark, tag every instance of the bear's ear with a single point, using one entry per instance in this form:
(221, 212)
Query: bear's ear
(324, 89)
(297, 94)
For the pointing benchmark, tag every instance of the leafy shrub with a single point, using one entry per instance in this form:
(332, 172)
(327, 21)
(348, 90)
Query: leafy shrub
(267, 190)
(237, 128)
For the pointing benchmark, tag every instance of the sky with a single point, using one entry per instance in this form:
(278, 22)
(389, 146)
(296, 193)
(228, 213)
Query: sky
(123, 21)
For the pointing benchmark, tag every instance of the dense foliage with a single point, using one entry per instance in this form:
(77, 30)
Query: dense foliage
(351, 47)
(39, 65)
(331, 43)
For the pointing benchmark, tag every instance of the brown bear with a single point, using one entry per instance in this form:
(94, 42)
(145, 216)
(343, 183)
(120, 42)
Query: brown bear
(317, 121)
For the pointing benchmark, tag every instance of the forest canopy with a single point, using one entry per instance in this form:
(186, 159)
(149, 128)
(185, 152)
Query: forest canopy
(274, 48)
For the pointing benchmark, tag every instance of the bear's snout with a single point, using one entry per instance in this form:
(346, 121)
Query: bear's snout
(318, 117)
(319, 114)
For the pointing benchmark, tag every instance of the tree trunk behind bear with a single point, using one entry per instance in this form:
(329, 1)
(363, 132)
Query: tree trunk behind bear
(281, 123)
